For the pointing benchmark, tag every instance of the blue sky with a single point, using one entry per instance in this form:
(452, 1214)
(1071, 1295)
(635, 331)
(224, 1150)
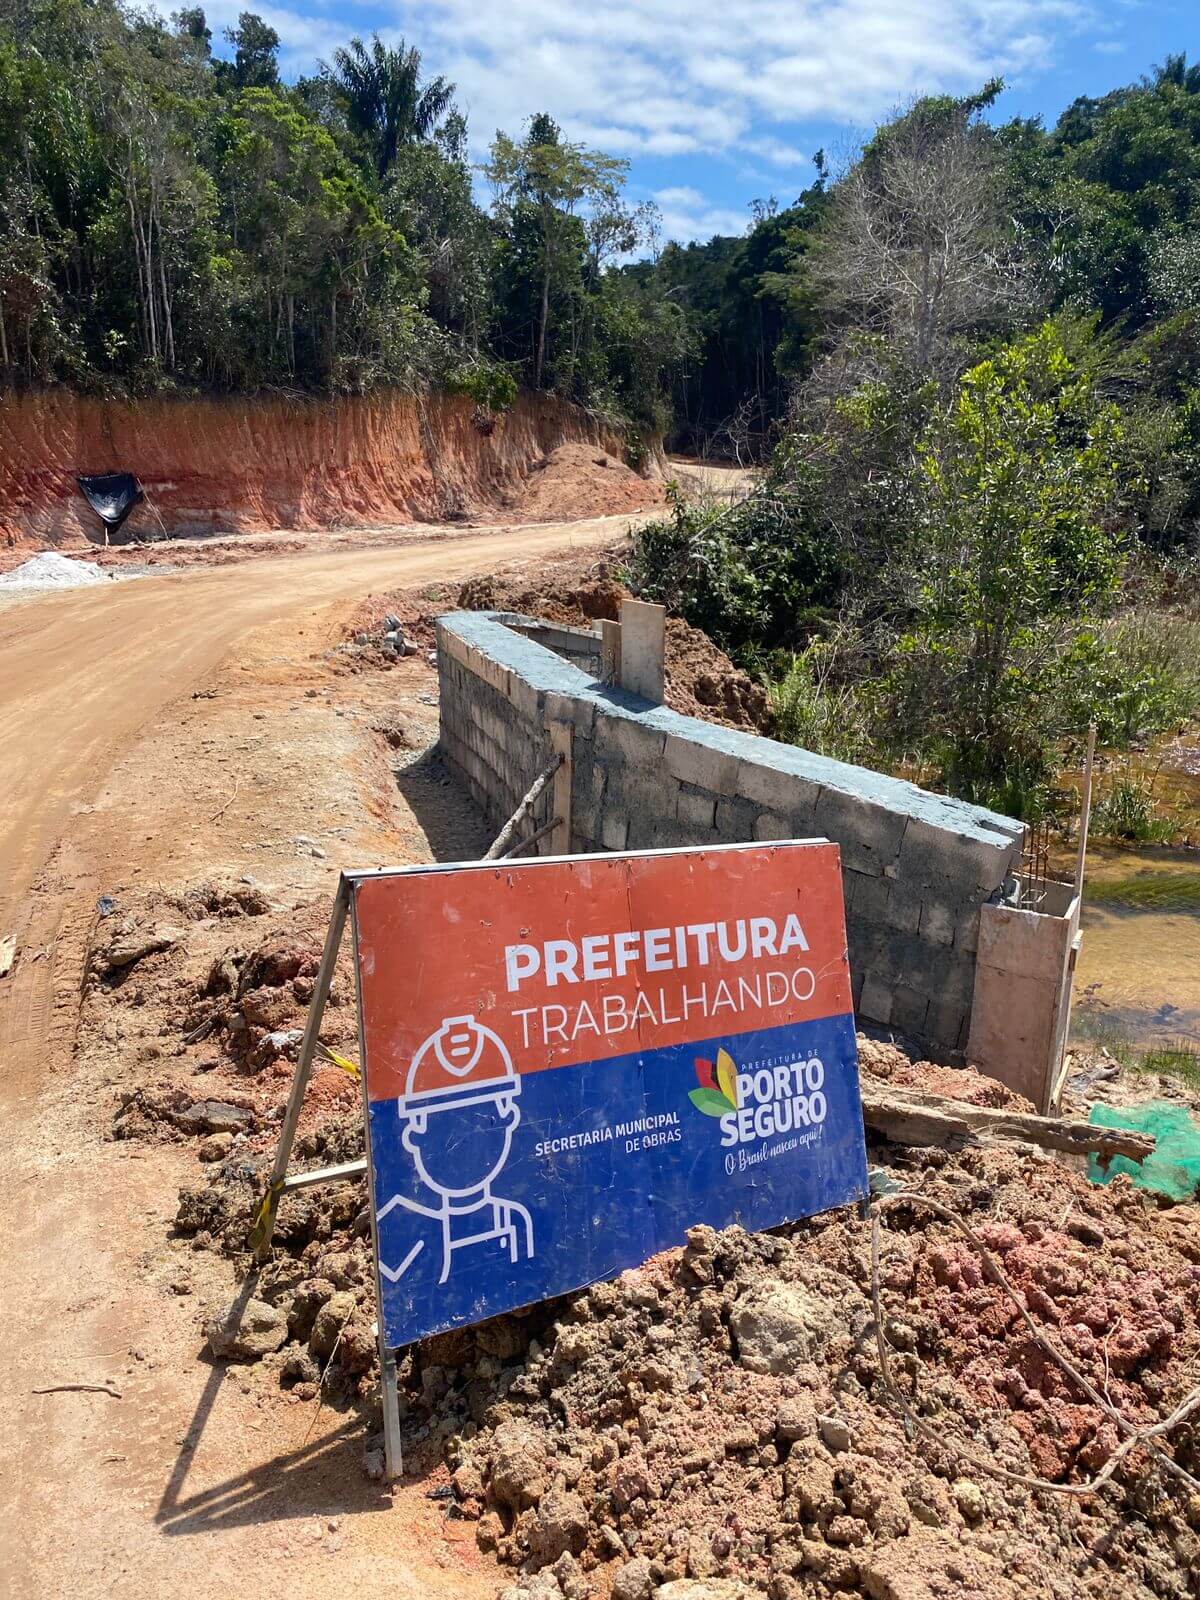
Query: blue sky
(715, 102)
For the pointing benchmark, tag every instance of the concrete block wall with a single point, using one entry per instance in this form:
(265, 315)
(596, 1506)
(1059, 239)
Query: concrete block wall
(917, 867)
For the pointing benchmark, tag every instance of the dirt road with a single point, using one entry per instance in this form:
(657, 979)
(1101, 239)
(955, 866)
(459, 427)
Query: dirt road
(154, 731)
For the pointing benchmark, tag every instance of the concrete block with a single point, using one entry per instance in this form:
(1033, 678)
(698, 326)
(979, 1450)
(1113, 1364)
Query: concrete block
(614, 830)
(696, 811)
(525, 698)
(632, 741)
(931, 854)
(581, 714)
(939, 921)
(869, 833)
(966, 934)
(903, 906)
(735, 819)
(909, 1010)
(875, 1001)
(770, 826)
(702, 765)
(779, 790)
(871, 896)
(945, 1025)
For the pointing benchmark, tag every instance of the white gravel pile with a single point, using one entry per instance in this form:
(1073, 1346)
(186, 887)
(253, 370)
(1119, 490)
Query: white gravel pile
(49, 570)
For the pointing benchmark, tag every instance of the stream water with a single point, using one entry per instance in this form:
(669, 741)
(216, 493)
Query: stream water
(1138, 977)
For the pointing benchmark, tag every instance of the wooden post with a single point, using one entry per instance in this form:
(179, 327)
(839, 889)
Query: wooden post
(561, 735)
(264, 1227)
(1085, 811)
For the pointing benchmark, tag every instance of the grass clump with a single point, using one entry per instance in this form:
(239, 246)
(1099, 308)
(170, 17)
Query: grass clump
(1180, 1060)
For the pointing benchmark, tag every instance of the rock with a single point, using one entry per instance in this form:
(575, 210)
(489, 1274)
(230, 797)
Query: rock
(215, 1116)
(633, 1580)
(129, 948)
(793, 1421)
(780, 1325)
(561, 1525)
(835, 1434)
(374, 1464)
(245, 1335)
(519, 1472)
(216, 1147)
(329, 1322)
(968, 1496)
(489, 1532)
(704, 1589)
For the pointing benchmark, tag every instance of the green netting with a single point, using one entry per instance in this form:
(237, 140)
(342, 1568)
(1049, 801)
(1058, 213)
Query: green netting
(1174, 1168)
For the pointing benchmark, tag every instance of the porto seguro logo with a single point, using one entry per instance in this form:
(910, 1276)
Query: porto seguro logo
(783, 1097)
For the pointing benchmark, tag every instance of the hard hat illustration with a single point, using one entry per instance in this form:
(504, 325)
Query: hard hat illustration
(463, 1062)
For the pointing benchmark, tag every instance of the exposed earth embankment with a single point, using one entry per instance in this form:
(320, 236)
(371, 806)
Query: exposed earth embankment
(249, 464)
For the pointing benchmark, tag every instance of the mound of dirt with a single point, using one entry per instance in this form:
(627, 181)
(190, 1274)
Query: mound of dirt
(701, 679)
(580, 480)
(890, 1064)
(718, 1414)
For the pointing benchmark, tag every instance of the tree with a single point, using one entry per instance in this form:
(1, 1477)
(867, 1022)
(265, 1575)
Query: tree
(1014, 555)
(256, 47)
(386, 103)
(192, 24)
(540, 184)
(913, 246)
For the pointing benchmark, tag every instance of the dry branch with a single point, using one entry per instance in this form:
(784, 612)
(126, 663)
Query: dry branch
(914, 1117)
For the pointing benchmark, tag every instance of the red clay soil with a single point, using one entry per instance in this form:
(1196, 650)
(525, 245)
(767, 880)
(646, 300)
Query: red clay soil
(580, 480)
(254, 464)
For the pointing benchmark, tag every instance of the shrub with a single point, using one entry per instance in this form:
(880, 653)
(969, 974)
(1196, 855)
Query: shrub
(1147, 677)
(815, 711)
(490, 384)
(1127, 811)
(753, 575)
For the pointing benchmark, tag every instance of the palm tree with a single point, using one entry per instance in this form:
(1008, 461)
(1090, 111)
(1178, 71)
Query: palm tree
(385, 101)
(1175, 70)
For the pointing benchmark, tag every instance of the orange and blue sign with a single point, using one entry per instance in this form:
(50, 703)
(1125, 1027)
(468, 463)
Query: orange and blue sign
(569, 1062)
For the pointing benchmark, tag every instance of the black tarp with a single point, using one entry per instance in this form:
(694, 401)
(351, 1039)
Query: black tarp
(112, 496)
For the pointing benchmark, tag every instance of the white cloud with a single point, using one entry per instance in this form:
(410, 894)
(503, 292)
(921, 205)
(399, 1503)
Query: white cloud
(697, 80)
(720, 77)
(687, 215)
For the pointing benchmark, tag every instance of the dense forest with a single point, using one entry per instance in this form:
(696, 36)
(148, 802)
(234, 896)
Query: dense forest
(971, 365)
(170, 218)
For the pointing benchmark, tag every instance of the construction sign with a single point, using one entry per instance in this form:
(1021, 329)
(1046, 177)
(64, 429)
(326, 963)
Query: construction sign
(570, 1062)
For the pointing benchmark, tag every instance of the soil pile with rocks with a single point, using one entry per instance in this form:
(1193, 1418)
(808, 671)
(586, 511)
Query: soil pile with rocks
(717, 1416)
(580, 480)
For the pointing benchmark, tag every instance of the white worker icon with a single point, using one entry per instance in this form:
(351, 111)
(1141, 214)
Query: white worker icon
(458, 1114)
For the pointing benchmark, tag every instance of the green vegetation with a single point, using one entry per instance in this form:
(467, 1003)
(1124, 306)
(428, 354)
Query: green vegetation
(1180, 1061)
(169, 219)
(1126, 810)
(976, 389)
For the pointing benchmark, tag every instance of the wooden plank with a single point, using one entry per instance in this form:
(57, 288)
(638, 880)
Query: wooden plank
(914, 1117)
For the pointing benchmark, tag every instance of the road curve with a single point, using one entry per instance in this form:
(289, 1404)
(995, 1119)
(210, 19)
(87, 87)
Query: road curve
(82, 672)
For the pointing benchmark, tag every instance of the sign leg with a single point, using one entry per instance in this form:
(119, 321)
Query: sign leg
(264, 1227)
(392, 1453)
